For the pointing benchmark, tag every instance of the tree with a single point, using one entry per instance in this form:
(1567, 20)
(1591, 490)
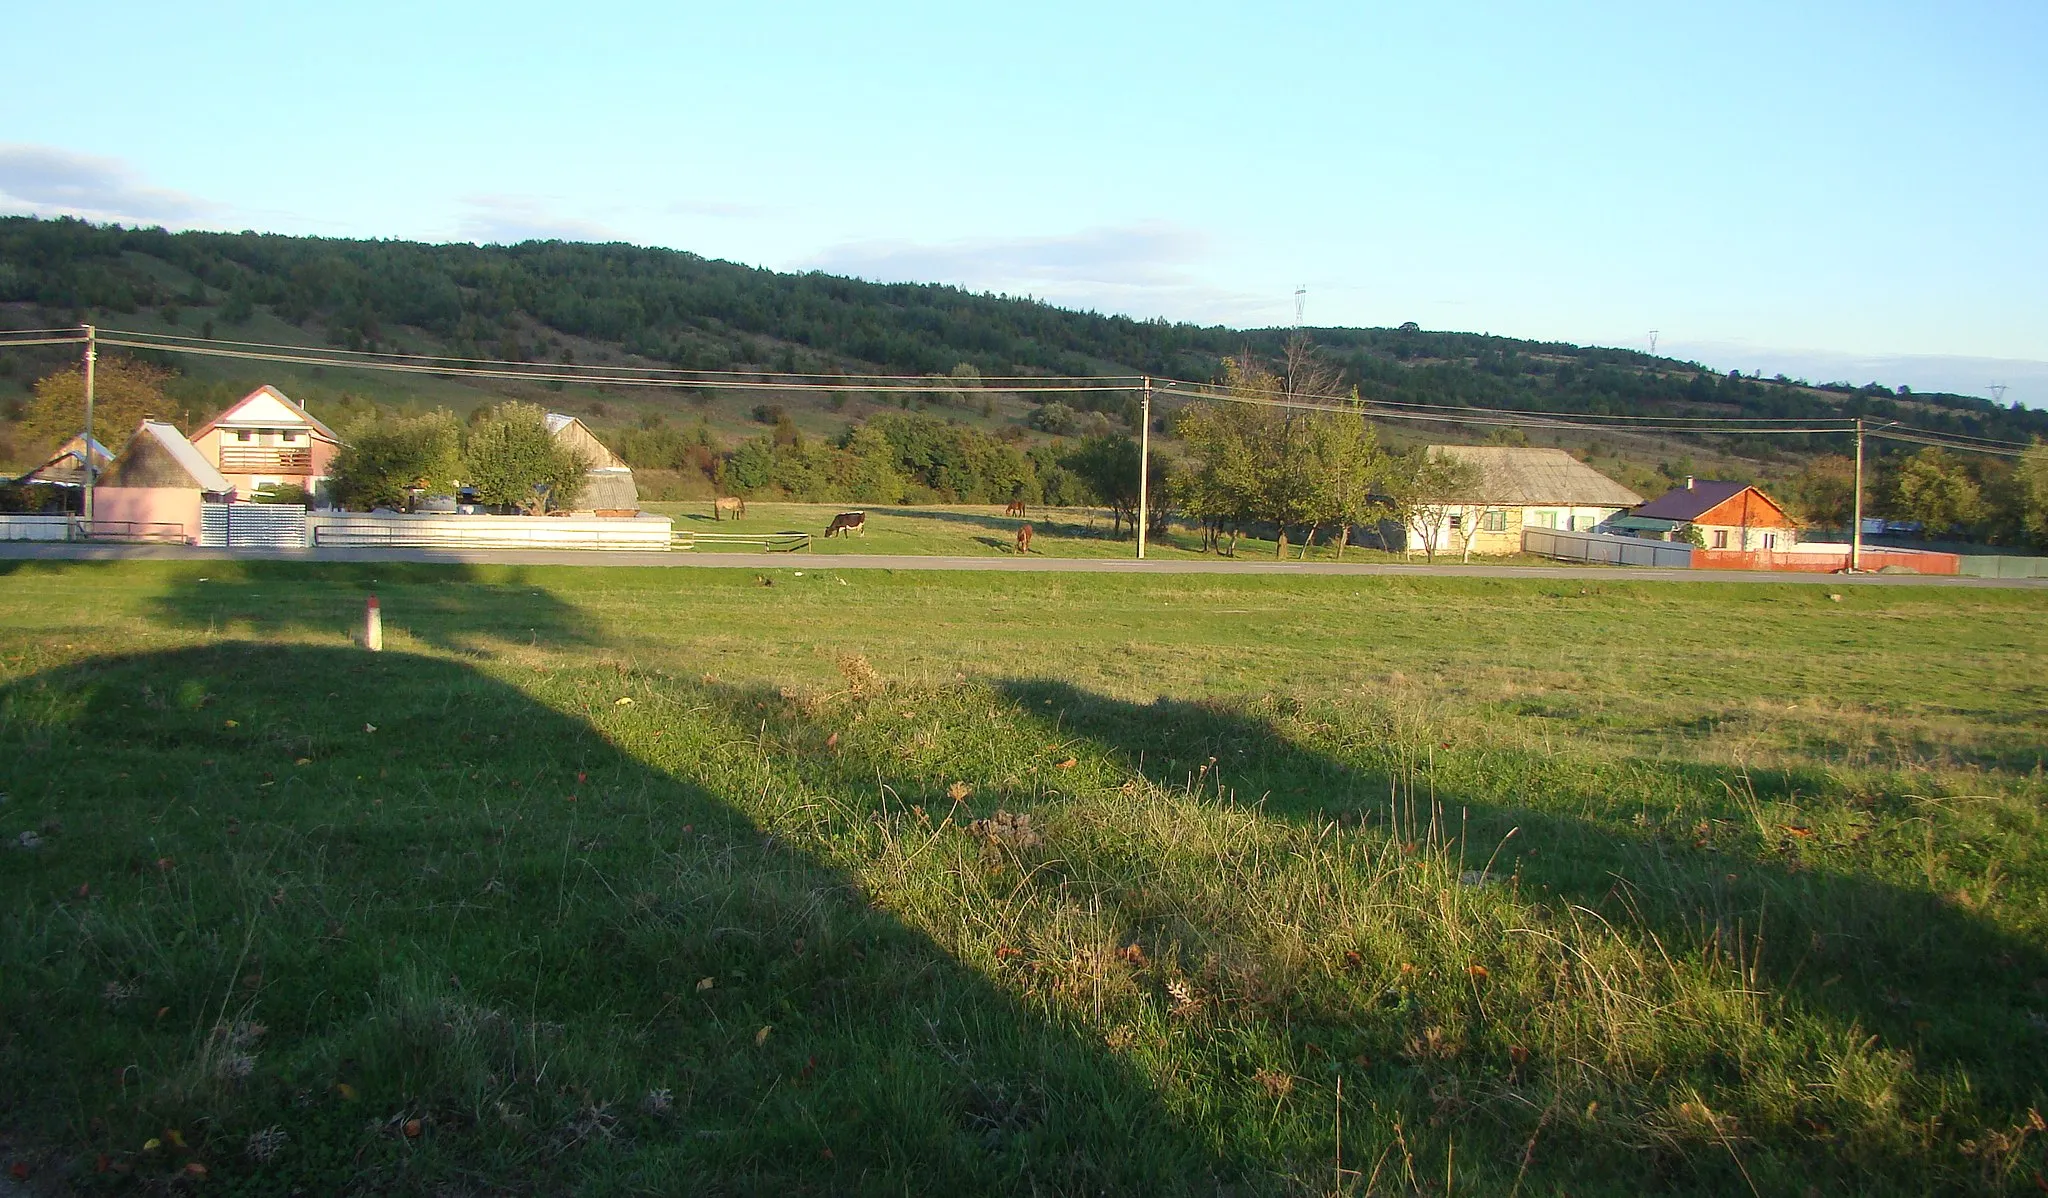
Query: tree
(2032, 483)
(1938, 491)
(125, 393)
(1352, 475)
(514, 461)
(386, 461)
(1427, 489)
(1823, 493)
(1108, 464)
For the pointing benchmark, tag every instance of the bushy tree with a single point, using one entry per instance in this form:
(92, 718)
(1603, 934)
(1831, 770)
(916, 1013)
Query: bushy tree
(125, 392)
(513, 461)
(385, 461)
(2031, 485)
(1823, 493)
(1108, 465)
(1938, 491)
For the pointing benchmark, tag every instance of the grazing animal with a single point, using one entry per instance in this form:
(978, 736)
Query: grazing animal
(846, 522)
(728, 503)
(1023, 538)
(1014, 508)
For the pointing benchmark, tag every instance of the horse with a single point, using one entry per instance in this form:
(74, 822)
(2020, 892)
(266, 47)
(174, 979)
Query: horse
(729, 503)
(1014, 508)
(1023, 538)
(846, 522)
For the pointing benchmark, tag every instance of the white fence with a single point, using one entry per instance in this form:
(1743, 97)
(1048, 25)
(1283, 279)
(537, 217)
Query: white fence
(253, 525)
(1600, 547)
(394, 530)
(15, 526)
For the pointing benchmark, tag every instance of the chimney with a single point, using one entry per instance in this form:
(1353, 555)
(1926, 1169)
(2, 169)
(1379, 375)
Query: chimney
(1688, 482)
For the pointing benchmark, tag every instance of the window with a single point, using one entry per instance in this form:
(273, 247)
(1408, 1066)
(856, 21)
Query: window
(1542, 519)
(1770, 540)
(1457, 521)
(287, 436)
(1494, 521)
(243, 434)
(1720, 538)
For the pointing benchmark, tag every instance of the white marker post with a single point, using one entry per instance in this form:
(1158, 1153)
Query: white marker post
(373, 626)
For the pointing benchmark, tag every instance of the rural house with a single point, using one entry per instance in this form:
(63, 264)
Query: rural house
(156, 485)
(265, 439)
(608, 488)
(1728, 516)
(1513, 488)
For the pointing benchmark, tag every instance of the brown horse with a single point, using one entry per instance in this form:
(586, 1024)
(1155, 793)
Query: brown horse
(729, 503)
(1023, 538)
(846, 522)
(1014, 508)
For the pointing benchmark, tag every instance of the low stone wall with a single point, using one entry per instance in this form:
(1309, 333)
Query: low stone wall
(429, 530)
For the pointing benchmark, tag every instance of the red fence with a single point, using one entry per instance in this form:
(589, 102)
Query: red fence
(1829, 561)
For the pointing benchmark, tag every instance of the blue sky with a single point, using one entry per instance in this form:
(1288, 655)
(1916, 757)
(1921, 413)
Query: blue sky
(1837, 190)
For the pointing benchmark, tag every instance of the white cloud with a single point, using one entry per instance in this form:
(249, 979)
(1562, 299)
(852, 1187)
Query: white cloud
(505, 219)
(1142, 270)
(2026, 381)
(46, 181)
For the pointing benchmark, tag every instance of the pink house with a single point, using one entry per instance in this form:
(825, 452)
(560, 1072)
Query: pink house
(265, 438)
(155, 488)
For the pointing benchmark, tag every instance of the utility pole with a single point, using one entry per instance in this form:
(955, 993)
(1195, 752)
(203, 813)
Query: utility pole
(1856, 522)
(91, 353)
(1144, 461)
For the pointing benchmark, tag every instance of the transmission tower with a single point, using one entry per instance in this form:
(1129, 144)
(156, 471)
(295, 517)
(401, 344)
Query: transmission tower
(1653, 343)
(1300, 302)
(1998, 393)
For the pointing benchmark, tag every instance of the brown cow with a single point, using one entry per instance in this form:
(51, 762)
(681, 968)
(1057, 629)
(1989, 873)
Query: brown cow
(729, 503)
(1023, 538)
(846, 522)
(1014, 508)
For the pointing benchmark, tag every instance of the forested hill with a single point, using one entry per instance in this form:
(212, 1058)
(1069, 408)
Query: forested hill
(674, 307)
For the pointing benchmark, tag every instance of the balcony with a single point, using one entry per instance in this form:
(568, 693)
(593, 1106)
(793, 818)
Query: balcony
(265, 459)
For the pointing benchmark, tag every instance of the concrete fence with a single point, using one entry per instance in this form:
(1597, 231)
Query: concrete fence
(21, 527)
(1993, 565)
(429, 531)
(1605, 549)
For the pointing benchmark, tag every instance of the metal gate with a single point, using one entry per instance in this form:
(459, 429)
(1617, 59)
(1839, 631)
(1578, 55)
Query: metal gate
(253, 525)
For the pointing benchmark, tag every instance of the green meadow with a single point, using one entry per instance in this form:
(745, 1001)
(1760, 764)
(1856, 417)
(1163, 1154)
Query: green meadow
(792, 881)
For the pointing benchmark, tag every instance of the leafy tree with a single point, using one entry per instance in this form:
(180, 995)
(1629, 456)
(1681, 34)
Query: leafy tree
(1938, 491)
(385, 461)
(1108, 465)
(125, 393)
(1426, 489)
(1350, 473)
(1823, 493)
(2031, 481)
(513, 461)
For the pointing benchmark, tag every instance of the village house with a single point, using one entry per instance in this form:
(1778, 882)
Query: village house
(265, 439)
(1513, 488)
(1735, 517)
(156, 485)
(608, 488)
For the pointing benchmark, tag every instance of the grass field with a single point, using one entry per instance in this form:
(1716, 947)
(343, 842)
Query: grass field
(751, 882)
(966, 530)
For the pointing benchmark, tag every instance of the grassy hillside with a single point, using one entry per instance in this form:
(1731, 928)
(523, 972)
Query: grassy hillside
(545, 300)
(669, 882)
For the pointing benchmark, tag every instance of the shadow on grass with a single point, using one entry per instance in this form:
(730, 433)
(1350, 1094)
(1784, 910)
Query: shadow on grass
(489, 947)
(1924, 972)
(1043, 523)
(451, 606)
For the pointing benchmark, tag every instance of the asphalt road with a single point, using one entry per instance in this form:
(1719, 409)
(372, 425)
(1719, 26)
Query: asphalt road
(61, 551)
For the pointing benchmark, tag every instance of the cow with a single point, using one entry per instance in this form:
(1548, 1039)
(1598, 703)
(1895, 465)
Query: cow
(1023, 538)
(729, 503)
(846, 522)
(1014, 508)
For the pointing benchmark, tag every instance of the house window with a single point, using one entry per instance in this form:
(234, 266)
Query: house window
(287, 436)
(1720, 538)
(1770, 540)
(1457, 521)
(243, 435)
(1542, 519)
(1495, 521)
